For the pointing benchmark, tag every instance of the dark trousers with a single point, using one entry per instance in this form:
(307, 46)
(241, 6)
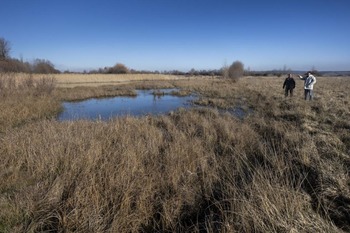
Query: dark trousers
(308, 94)
(288, 90)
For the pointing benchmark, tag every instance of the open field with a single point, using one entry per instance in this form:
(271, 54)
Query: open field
(285, 167)
(93, 80)
(74, 80)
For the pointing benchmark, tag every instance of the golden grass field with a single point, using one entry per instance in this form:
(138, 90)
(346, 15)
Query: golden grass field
(73, 80)
(70, 80)
(284, 167)
(90, 80)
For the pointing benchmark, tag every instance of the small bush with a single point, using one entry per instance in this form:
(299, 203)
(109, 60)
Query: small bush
(118, 69)
(236, 70)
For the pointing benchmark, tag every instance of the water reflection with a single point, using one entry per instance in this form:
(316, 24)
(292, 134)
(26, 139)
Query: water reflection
(143, 104)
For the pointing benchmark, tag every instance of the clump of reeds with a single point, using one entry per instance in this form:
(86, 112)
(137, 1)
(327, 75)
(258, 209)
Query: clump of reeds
(11, 83)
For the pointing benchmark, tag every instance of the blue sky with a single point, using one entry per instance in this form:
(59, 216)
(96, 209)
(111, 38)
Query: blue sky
(180, 34)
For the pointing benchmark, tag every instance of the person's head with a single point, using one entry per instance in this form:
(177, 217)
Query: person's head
(289, 75)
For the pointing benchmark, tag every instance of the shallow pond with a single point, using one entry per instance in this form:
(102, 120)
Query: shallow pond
(144, 103)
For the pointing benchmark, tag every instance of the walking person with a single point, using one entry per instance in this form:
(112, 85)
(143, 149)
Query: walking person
(309, 82)
(289, 85)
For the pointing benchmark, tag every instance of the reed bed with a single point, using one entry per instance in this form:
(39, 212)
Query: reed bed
(284, 167)
(25, 99)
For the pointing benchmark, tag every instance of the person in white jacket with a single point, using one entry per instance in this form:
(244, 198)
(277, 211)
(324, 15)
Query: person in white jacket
(310, 80)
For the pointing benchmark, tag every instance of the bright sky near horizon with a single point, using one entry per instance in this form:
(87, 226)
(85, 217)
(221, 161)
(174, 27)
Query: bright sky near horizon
(163, 35)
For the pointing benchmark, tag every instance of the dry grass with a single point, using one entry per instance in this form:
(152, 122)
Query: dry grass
(73, 80)
(25, 99)
(283, 168)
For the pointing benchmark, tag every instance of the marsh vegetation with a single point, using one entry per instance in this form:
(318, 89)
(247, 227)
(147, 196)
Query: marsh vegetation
(283, 168)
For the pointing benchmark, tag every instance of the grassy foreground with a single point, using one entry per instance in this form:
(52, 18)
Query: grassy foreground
(284, 168)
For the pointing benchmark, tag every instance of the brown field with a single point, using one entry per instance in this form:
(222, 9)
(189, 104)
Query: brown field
(74, 80)
(284, 167)
(93, 80)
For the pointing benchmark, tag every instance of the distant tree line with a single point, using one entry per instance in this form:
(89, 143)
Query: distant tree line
(280, 73)
(8, 64)
(122, 69)
(38, 66)
(233, 72)
(118, 68)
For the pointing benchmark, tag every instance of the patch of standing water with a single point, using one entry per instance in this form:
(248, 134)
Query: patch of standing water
(145, 103)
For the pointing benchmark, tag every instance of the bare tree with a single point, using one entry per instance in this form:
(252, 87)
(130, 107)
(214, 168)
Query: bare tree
(5, 49)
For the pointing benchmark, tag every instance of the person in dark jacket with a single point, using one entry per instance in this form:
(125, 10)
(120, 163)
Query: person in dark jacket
(289, 85)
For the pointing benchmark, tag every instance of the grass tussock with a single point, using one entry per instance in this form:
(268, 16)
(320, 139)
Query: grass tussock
(283, 168)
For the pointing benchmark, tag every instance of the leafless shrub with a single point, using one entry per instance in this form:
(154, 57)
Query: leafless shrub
(235, 71)
(118, 69)
(42, 66)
